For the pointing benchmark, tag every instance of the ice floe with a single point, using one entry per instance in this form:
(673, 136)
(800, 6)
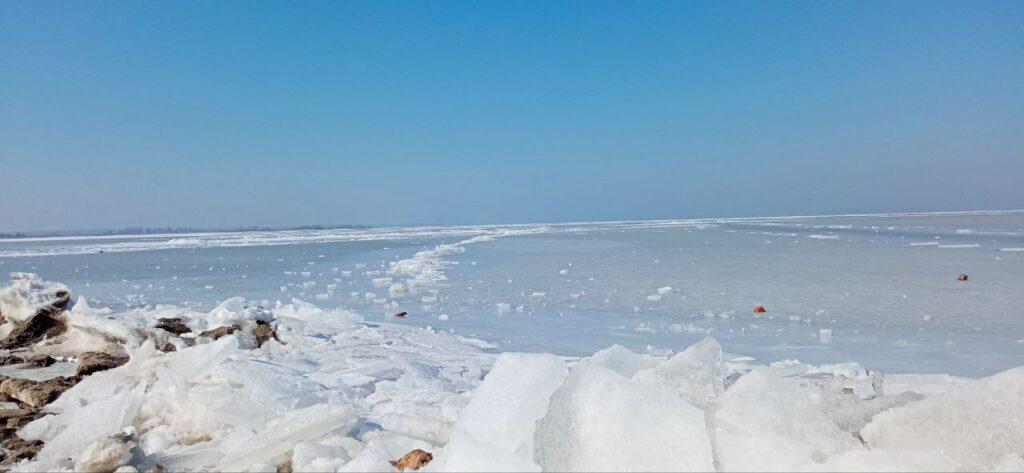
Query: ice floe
(331, 391)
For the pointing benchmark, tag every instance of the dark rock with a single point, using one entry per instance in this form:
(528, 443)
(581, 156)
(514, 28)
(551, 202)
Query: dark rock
(218, 332)
(37, 393)
(47, 323)
(263, 332)
(91, 362)
(167, 347)
(61, 299)
(39, 360)
(9, 413)
(18, 449)
(36, 359)
(175, 326)
(16, 422)
(962, 277)
(731, 379)
(10, 360)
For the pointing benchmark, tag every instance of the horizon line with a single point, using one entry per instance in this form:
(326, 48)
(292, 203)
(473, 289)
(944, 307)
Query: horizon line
(42, 235)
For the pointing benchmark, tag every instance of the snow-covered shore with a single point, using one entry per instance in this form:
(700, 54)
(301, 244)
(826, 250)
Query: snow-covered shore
(330, 391)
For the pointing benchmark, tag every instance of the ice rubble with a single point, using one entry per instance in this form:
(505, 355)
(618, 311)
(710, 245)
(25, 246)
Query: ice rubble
(25, 295)
(335, 393)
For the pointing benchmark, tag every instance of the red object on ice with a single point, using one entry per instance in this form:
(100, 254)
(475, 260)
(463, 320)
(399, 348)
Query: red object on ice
(760, 309)
(401, 314)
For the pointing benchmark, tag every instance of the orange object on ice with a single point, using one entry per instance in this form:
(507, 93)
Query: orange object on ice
(760, 309)
(401, 314)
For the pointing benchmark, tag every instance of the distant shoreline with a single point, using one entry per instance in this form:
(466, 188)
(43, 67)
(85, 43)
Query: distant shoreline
(159, 231)
(166, 231)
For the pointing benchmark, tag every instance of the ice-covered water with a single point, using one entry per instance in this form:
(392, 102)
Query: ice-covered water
(880, 290)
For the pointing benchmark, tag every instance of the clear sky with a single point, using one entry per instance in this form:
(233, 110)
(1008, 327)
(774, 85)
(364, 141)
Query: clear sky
(221, 113)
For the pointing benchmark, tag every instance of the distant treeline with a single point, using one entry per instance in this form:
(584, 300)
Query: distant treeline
(171, 230)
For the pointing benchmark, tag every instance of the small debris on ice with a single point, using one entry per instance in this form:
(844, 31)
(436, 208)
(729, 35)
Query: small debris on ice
(413, 460)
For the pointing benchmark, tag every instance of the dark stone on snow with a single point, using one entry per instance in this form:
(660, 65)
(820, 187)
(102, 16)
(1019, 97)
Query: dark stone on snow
(91, 362)
(175, 326)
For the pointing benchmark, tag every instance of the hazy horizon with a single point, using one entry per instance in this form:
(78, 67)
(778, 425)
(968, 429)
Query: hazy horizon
(152, 230)
(231, 114)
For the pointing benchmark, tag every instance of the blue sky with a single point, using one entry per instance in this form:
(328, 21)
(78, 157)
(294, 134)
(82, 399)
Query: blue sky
(228, 113)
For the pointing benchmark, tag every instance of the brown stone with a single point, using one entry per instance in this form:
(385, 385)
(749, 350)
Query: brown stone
(218, 332)
(39, 360)
(962, 277)
(16, 422)
(285, 467)
(175, 326)
(413, 460)
(37, 393)
(167, 347)
(93, 361)
(263, 332)
(10, 360)
(18, 449)
(47, 323)
(9, 413)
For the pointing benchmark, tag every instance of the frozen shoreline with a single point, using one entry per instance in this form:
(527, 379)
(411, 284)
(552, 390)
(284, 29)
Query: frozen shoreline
(333, 392)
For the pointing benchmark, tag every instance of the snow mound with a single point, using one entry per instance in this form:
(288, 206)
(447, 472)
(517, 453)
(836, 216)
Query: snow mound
(622, 361)
(331, 392)
(26, 295)
(695, 375)
(768, 423)
(600, 420)
(980, 426)
(495, 430)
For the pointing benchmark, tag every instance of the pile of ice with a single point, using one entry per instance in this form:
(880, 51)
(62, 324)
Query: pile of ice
(334, 393)
(25, 295)
(622, 411)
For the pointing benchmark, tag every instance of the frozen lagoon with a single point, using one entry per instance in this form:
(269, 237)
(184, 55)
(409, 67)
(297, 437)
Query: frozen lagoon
(338, 391)
(884, 286)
